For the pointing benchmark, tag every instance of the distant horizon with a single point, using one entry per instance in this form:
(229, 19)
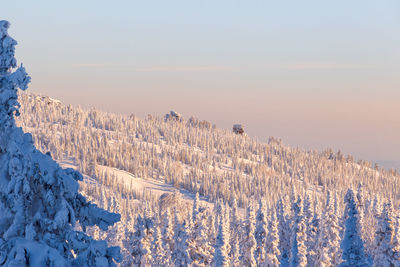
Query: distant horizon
(315, 74)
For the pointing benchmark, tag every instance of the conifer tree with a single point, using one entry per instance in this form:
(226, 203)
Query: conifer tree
(298, 253)
(328, 247)
(227, 220)
(135, 243)
(352, 245)
(248, 243)
(387, 252)
(221, 256)
(200, 249)
(360, 204)
(260, 234)
(272, 253)
(157, 249)
(39, 201)
(195, 209)
(148, 220)
(311, 223)
(234, 254)
(284, 230)
(167, 233)
(180, 254)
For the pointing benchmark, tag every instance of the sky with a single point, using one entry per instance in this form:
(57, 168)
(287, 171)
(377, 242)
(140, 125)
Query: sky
(317, 74)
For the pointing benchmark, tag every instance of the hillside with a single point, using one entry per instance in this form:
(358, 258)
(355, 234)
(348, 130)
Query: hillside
(149, 169)
(193, 155)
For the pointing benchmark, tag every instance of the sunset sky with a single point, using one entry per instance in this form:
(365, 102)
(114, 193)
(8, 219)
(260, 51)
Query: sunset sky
(317, 74)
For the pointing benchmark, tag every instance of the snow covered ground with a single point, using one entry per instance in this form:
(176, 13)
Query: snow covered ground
(151, 186)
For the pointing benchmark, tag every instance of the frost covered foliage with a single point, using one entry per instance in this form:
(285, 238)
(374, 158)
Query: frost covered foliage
(352, 243)
(214, 162)
(39, 201)
(187, 239)
(387, 250)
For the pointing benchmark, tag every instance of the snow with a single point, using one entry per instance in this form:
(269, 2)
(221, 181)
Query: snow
(39, 201)
(152, 186)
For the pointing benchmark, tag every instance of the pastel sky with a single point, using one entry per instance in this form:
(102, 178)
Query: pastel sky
(317, 73)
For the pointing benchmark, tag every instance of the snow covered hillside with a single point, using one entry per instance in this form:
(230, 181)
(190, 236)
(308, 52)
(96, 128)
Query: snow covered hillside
(194, 155)
(149, 171)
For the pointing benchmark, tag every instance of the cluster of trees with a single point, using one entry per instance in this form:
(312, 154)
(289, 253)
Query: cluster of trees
(295, 231)
(194, 155)
(313, 229)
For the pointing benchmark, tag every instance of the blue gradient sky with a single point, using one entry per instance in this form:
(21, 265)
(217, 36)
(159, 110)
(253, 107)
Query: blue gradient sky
(317, 74)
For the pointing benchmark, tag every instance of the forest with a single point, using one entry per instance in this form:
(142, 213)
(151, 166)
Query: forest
(235, 201)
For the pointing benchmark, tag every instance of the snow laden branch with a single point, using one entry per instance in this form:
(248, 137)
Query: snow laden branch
(39, 201)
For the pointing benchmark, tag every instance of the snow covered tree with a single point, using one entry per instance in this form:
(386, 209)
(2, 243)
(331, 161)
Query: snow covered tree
(328, 247)
(272, 253)
(248, 243)
(235, 251)
(311, 223)
(136, 243)
(387, 252)
(260, 234)
(148, 220)
(195, 209)
(352, 244)
(167, 234)
(221, 256)
(200, 249)
(298, 253)
(366, 236)
(157, 249)
(226, 218)
(284, 229)
(234, 254)
(180, 255)
(39, 201)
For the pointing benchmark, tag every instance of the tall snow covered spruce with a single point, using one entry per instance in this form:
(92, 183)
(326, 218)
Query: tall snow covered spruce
(352, 244)
(39, 201)
(260, 234)
(387, 251)
(249, 243)
(298, 254)
(221, 256)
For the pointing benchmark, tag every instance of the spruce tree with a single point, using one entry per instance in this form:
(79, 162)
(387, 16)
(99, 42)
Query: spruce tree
(352, 245)
(180, 255)
(248, 243)
(157, 249)
(311, 223)
(200, 249)
(234, 254)
(221, 256)
(260, 234)
(328, 247)
(195, 209)
(39, 201)
(135, 243)
(387, 252)
(298, 253)
(272, 253)
(284, 229)
(167, 234)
